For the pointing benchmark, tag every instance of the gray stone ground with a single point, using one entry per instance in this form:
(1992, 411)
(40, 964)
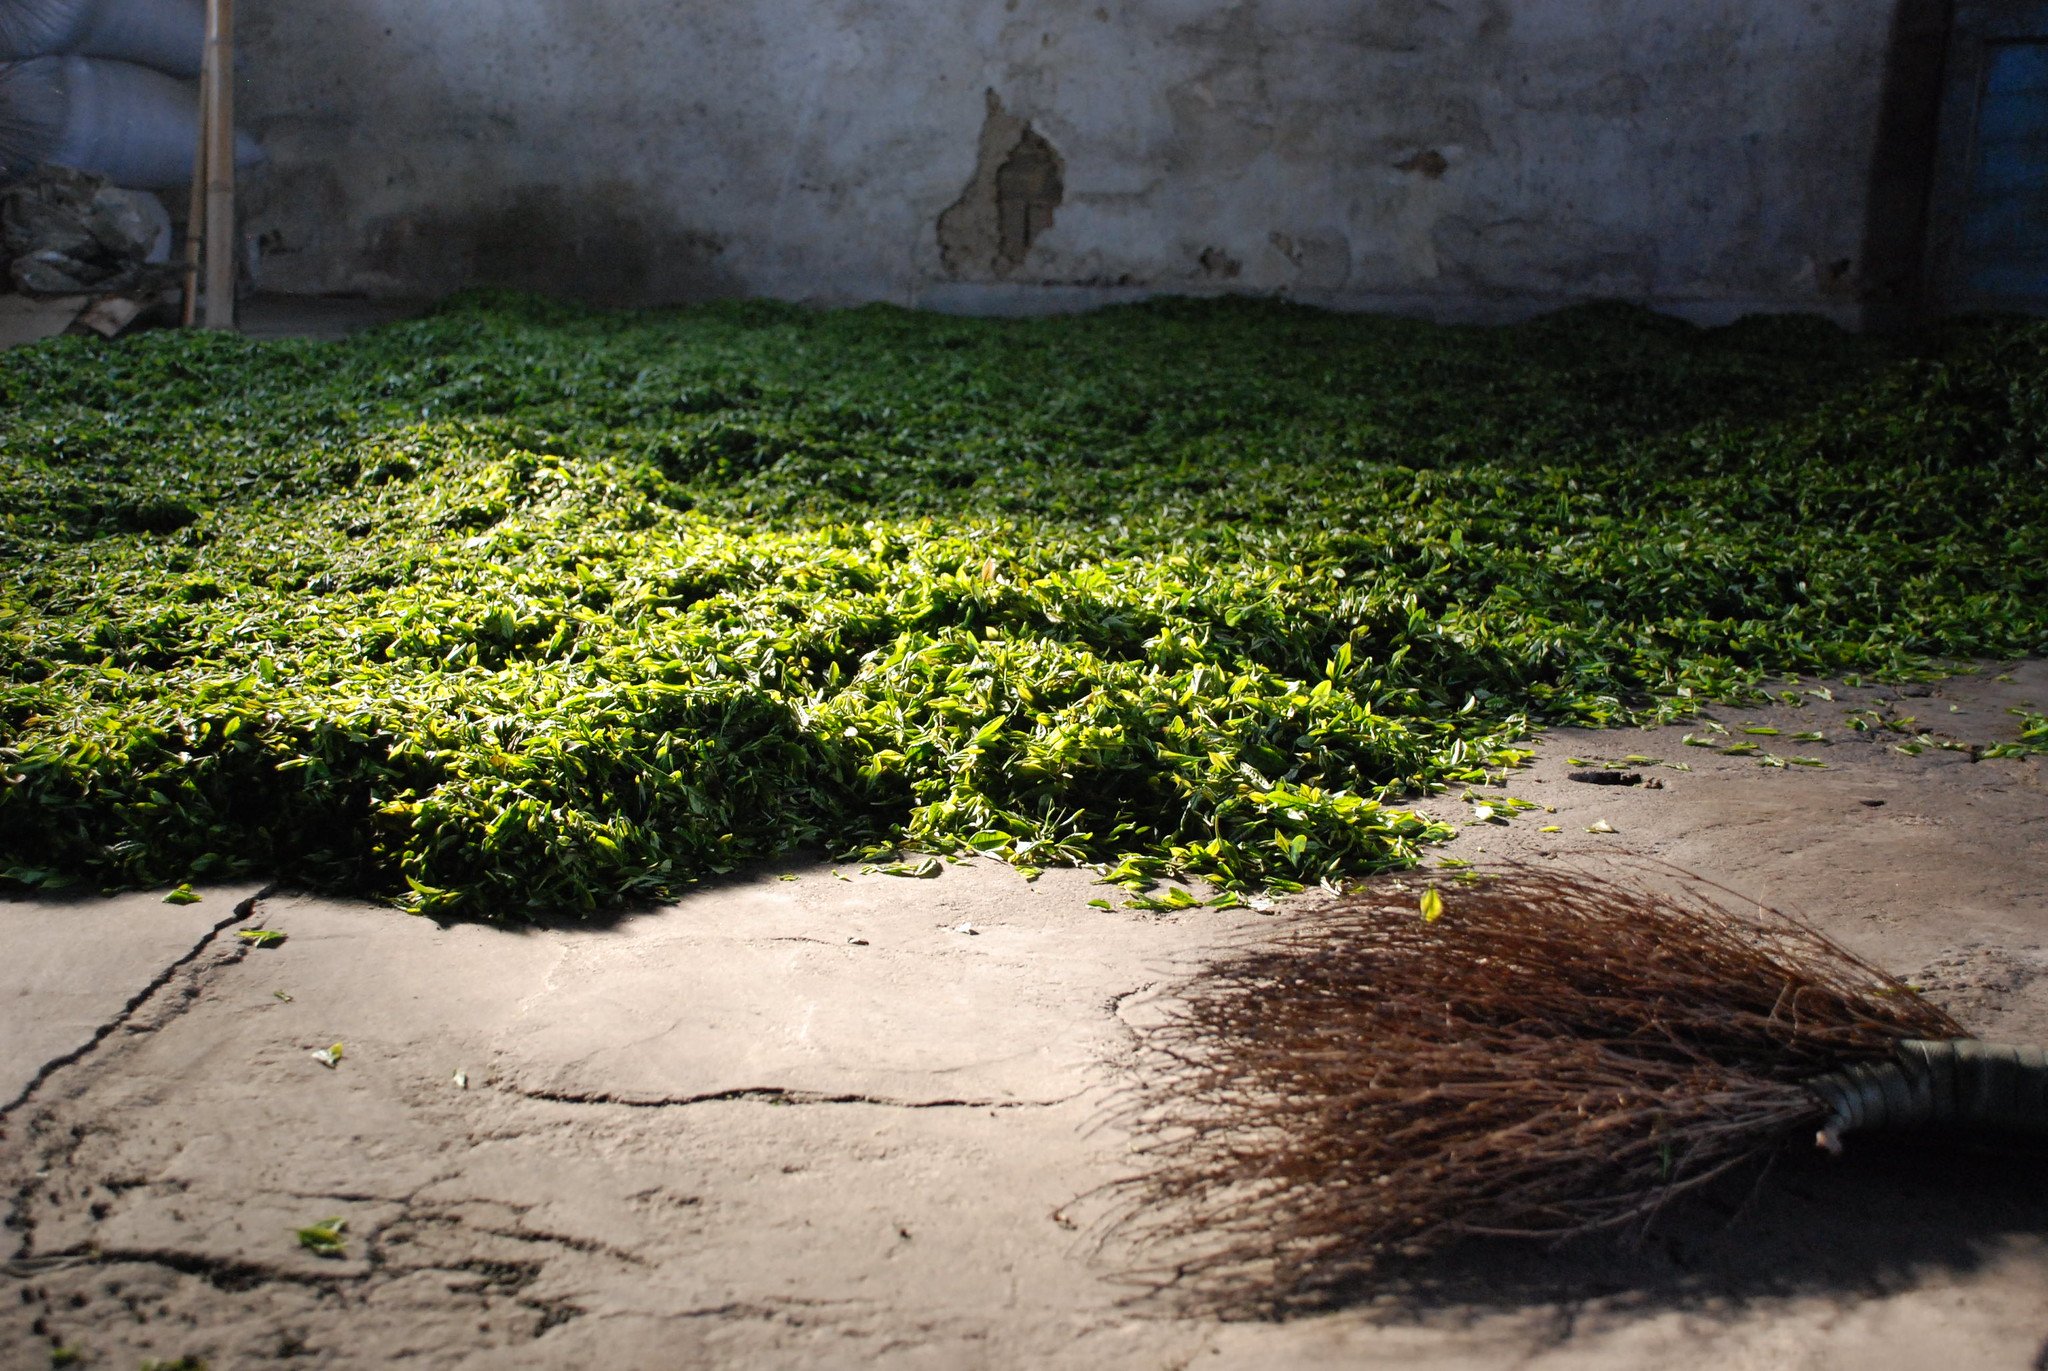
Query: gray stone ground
(805, 1119)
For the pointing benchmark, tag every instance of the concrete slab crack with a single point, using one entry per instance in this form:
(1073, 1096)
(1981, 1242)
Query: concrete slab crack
(775, 1095)
(242, 910)
(781, 1309)
(586, 1246)
(223, 1273)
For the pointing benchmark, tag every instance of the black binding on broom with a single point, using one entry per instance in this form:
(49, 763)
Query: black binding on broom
(1961, 1084)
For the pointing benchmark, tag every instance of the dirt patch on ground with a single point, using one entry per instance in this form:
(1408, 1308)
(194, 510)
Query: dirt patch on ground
(821, 1117)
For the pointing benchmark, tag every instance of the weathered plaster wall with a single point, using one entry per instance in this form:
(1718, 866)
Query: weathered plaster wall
(1462, 157)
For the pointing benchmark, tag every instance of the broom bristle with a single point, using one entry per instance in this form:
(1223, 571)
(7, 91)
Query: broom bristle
(1553, 1055)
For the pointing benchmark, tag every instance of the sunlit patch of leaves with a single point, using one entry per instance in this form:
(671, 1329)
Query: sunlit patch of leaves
(325, 1238)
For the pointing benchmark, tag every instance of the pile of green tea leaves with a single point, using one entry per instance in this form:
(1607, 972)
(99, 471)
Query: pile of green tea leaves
(519, 609)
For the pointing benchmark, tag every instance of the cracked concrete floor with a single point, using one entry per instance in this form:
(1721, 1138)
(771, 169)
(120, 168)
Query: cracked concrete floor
(805, 1120)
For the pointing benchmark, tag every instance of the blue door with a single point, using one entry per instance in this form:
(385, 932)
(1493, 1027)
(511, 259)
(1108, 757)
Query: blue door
(1988, 218)
(2004, 248)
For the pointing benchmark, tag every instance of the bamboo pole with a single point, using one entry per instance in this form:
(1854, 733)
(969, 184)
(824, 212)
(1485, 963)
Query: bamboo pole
(195, 207)
(220, 164)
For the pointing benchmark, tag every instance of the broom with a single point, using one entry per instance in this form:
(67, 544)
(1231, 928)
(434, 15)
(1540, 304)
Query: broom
(1532, 1055)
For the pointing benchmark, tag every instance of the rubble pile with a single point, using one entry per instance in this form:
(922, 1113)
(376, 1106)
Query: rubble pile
(66, 232)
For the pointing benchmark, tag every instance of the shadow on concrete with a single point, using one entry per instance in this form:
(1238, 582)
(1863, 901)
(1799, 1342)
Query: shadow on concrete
(792, 865)
(1870, 1224)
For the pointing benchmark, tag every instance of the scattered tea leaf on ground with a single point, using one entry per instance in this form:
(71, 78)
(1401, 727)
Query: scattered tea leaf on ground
(324, 1239)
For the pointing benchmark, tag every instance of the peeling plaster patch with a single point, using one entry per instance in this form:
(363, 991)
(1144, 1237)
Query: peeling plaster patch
(1029, 185)
(1019, 181)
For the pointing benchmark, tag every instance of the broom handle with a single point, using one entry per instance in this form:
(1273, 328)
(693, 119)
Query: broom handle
(1959, 1084)
(220, 164)
(195, 208)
